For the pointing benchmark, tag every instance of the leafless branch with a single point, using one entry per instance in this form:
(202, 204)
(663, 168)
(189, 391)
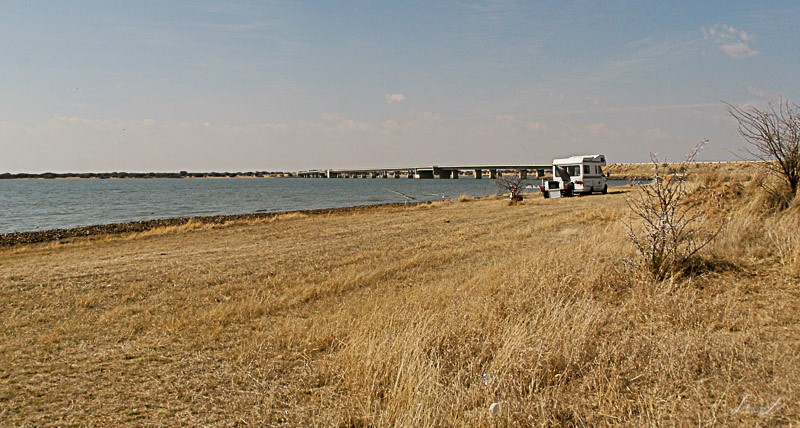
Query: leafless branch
(514, 185)
(668, 229)
(773, 135)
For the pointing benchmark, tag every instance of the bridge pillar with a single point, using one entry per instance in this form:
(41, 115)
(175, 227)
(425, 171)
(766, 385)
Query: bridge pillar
(397, 174)
(425, 173)
(478, 174)
(540, 173)
(455, 174)
(523, 173)
(442, 173)
(492, 174)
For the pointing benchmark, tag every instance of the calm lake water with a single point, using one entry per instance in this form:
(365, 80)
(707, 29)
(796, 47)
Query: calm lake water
(28, 205)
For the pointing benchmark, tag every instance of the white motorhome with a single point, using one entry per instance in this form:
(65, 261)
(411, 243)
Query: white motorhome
(577, 174)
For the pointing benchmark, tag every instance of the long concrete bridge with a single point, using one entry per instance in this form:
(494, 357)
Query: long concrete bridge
(449, 172)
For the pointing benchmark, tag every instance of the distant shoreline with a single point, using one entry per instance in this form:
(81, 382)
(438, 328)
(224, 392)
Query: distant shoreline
(616, 171)
(219, 175)
(141, 175)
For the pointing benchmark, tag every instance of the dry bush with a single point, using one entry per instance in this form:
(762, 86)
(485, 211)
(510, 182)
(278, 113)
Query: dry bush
(773, 135)
(514, 185)
(670, 229)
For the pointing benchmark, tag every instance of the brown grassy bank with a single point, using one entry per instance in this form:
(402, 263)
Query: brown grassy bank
(65, 235)
(643, 171)
(392, 316)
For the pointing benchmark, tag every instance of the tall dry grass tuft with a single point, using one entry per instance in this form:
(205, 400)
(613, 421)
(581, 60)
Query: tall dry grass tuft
(782, 235)
(190, 225)
(756, 228)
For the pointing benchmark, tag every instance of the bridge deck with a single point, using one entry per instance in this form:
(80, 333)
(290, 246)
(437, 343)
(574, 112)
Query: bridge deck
(442, 171)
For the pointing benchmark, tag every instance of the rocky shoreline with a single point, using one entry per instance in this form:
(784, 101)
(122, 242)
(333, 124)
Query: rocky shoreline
(64, 235)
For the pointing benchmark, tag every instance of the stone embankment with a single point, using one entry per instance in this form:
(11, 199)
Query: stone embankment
(64, 235)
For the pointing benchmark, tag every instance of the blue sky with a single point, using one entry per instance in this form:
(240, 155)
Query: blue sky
(274, 85)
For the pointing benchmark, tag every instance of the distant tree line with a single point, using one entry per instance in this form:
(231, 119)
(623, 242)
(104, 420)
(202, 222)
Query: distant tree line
(107, 175)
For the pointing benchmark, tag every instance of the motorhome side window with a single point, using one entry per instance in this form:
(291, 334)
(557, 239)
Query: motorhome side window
(574, 170)
(599, 170)
(586, 170)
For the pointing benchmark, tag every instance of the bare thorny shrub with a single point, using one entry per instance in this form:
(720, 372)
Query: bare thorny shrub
(773, 135)
(666, 228)
(514, 185)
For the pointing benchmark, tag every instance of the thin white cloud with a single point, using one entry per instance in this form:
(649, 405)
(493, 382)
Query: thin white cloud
(634, 109)
(7, 125)
(59, 121)
(390, 126)
(350, 125)
(279, 127)
(646, 54)
(330, 117)
(758, 92)
(734, 42)
(510, 121)
(425, 116)
(739, 50)
(602, 130)
(395, 98)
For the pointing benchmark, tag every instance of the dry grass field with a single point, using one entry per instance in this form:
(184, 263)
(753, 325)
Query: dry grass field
(426, 315)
